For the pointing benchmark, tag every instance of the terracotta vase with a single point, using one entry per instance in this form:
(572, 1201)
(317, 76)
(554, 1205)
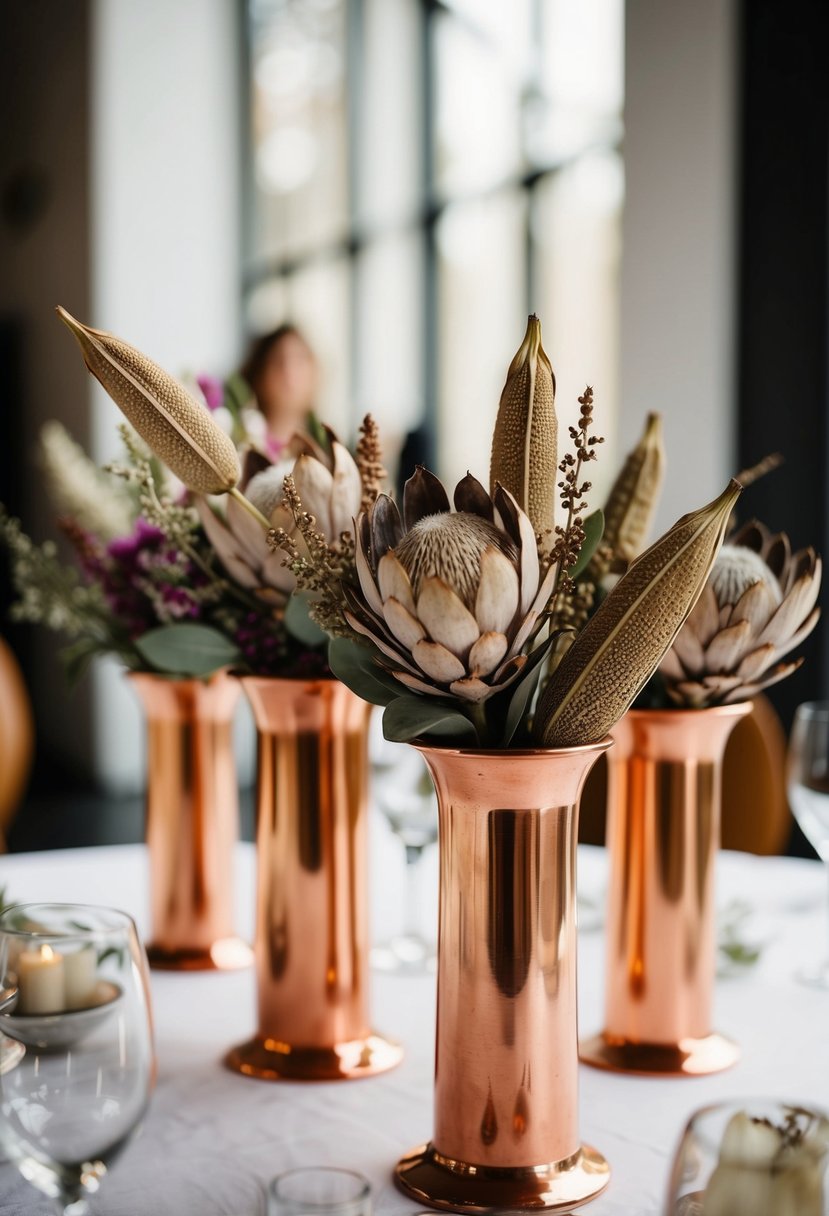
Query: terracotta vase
(312, 887)
(506, 1133)
(192, 821)
(663, 831)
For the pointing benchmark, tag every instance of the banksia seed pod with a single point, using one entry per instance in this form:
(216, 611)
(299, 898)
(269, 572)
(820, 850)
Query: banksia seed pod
(623, 644)
(632, 502)
(178, 428)
(524, 443)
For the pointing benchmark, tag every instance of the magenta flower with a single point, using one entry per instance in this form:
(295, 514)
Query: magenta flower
(213, 391)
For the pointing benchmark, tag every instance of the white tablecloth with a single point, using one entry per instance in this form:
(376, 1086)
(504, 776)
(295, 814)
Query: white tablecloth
(212, 1139)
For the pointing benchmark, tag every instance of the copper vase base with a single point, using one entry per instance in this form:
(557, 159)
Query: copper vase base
(688, 1058)
(226, 954)
(270, 1060)
(453, 1186)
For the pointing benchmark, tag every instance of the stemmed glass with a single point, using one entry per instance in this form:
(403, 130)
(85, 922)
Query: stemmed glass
(81, 1013)
(403, 791)
(807, 780)
(753, 1158)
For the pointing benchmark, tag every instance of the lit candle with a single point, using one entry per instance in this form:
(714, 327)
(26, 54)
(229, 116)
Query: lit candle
(80, 972)
(40, 981)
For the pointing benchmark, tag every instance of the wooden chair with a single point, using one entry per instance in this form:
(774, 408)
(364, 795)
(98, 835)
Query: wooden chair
(16, 739)
(755, 810)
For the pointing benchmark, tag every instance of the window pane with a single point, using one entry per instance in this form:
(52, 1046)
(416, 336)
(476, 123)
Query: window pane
(319, 303)
(481, 298)
(299, 125)
(576, 228)
(390, 337)
(576, 101)
(480, 70)
(390, 176)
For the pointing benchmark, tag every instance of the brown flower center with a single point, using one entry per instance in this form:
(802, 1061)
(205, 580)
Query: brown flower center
(450, 545)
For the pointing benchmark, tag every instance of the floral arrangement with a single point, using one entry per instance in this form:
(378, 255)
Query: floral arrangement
(758, 604)
(466, 620)
(165, 581)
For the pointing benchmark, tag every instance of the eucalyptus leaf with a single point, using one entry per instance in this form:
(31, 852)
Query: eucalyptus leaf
(593, 533)
(187, 649)
(299, 624)
(525, 690)
(354, 665)
(410, 717)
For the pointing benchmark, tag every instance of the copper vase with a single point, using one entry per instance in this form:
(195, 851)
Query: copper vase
(506, 1132)
(192, 821)
(312, 887)
(663, 831)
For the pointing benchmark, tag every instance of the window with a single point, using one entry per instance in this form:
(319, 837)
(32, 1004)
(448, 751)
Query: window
(426, 172)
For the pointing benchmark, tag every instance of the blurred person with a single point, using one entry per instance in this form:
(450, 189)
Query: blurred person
(282, 370)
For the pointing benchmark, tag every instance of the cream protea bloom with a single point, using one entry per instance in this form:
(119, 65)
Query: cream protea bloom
(758, 604)
(331, 489)
(449, 597)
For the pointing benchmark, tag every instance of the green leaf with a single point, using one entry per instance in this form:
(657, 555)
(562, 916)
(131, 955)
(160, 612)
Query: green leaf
(410, 717)
(299, 624)
(593, 533)
(187, 650)
(524, 691)
(355, 666)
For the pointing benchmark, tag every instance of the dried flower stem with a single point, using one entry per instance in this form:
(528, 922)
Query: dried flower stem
(250, 508)
(369, 458)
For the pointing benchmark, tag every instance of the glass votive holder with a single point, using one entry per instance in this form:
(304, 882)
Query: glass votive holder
(752, 1158)
(319, 1191)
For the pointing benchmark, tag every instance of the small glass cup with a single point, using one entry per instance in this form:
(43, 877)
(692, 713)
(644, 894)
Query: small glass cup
(319, 1191)
(758, 1157)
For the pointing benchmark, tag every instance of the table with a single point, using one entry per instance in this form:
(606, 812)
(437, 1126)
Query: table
(212, 1139)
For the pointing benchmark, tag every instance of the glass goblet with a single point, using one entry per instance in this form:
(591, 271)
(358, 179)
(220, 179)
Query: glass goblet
(403, 791)
(78, 1092)
(807, 783)
(752, 1158)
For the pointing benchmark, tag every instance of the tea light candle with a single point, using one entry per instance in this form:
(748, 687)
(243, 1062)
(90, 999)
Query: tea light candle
(80, 973)
(40, 981)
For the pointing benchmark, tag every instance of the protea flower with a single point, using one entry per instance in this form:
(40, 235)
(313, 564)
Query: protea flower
(449, 597)
(331, 489)
(757, 606)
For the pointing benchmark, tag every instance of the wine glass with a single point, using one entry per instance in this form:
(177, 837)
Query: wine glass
(759, 1157)
(807, 781)
(403, 791)
(81, 1013)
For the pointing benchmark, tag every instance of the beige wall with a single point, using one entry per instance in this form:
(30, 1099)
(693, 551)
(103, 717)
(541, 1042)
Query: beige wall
(678, 246)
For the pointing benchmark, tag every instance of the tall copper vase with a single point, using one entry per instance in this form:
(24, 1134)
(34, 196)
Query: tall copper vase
(192, 821)
(663, 831)
(312, 887)
(506, 1130)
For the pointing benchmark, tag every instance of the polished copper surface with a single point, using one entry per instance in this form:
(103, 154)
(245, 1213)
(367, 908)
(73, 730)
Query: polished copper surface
(192, 821)
(506, 1132)
(312, 887)
(662, 838)
(453, 1186)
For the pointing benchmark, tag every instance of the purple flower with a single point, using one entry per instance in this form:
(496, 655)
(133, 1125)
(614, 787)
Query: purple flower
(213, 391)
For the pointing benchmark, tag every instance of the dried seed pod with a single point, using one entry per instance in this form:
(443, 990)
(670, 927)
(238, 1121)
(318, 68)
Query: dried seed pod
(524, 442)
(632, 502)
(178, 428)
(623, 644)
